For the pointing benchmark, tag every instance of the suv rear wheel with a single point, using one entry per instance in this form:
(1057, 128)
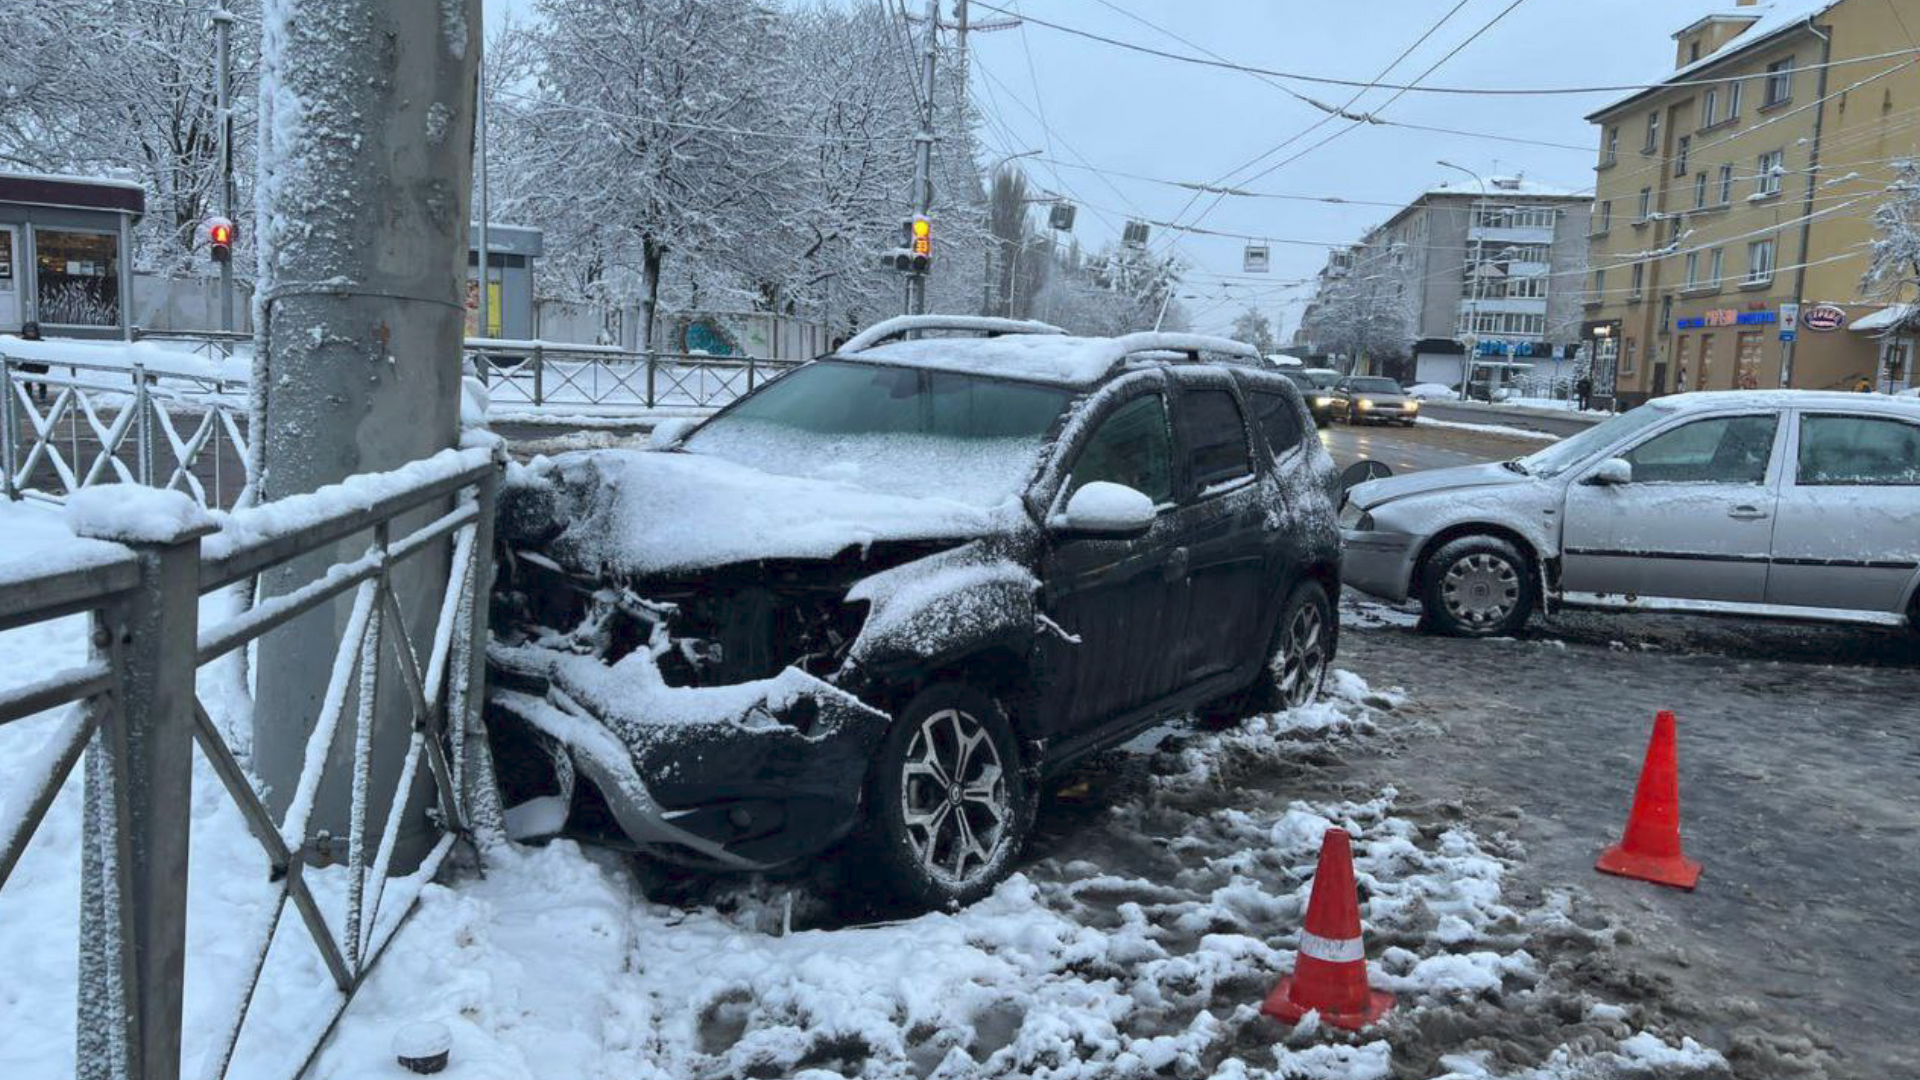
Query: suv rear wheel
(949, 804)
(1477, 586)
(1297, 661)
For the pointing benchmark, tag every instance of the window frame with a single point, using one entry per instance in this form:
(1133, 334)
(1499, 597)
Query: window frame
(1646, 205)
(1683, 422)
(1070, 459)
(1197, 487)
(1726, 184)
(1766, 181)
(1800, 443)
(1681, 148)
(1653, 133)
(1779, 76)
(1753, 246)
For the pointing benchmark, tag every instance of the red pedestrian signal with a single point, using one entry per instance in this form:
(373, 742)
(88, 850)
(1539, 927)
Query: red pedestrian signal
(220, 239)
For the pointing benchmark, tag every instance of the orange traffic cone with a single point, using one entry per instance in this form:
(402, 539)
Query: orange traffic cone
(1650, 849)
(1330, 973)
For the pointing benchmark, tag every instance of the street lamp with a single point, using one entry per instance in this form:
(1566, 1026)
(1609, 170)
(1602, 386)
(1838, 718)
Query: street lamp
(986, 291)
(1471, 340)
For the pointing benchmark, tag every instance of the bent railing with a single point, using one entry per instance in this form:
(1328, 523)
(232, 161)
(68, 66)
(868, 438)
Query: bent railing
(545, 375)
(70, 425)
(136, 710)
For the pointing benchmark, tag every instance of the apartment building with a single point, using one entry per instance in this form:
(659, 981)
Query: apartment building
(1492, 263)
(1733, 205)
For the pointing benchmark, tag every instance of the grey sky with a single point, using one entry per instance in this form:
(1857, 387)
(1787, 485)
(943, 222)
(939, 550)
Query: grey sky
(1133, 113)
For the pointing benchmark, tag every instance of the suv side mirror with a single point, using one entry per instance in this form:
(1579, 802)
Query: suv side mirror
(1612, 471)
(1106, 511)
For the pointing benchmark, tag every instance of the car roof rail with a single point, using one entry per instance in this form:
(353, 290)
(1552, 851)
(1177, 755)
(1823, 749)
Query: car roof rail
(902, 325)
(1155, 346)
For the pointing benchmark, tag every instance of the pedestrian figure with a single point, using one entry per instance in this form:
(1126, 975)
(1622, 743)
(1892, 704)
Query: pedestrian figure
(1863, 386)
(30, 331)
(1585, 389)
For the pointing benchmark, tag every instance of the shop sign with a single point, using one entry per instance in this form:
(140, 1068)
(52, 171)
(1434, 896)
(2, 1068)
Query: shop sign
(1727, 317)
(1824, 317)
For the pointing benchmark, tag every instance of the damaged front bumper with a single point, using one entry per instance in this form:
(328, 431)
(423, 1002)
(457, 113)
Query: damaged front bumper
(745, 776)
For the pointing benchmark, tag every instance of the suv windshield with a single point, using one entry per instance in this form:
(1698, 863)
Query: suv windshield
(1375, 386)
(1569, 452)
(900, 431)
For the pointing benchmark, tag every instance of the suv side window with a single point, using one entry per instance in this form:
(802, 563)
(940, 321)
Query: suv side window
(1720, 450)
(1132, 446)
(1277, 419)
(1858, 450)
(1218, 436)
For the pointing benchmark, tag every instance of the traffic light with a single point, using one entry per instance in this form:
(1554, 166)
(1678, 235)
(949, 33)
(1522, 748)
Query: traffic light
(916, 251)
(220, 239)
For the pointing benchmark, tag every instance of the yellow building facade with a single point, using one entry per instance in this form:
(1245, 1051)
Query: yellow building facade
(1733, 204)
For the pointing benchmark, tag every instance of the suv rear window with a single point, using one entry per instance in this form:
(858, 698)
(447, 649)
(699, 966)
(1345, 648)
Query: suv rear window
(1277, 420)
(1218, 436)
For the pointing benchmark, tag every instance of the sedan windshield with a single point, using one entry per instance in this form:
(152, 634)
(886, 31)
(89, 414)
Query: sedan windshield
(1374, 386)
(1569, 452)
(900, 431)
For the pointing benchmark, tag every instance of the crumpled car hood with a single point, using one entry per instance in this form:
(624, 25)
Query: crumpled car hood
(634, 513)
(1375, 492)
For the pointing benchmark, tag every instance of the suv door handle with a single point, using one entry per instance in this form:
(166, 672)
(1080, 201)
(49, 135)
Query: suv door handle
(1176, 568)
(1747, 513)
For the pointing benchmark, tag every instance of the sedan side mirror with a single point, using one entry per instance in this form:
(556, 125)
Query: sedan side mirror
(1106, 511)
(1612, 471)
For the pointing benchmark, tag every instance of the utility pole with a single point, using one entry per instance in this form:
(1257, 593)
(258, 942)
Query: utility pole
(484, 327)
(922, 195)
(223, 107)
(1471, 339)
(358, 345)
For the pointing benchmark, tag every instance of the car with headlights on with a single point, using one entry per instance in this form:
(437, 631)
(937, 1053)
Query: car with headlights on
(1785, 504)
(885, 596)
(1373, 399)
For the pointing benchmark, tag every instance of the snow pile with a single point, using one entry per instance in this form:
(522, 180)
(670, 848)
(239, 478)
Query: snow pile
(1492, 429)
(135, 513)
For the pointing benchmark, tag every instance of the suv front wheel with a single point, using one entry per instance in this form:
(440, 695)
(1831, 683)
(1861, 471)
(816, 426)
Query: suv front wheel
(949, 804)
(1477, 586)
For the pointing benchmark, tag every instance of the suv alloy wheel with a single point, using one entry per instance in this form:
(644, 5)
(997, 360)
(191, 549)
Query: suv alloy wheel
(949, 802)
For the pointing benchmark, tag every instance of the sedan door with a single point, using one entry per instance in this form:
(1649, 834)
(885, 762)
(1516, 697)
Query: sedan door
(1694, 523)
(1110, 597)
(1848, 535)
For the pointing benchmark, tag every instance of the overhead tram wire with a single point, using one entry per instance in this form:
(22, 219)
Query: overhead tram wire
(1483, 91)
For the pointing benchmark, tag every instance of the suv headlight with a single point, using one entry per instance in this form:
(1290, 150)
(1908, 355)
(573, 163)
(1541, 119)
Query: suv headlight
(1352, 517)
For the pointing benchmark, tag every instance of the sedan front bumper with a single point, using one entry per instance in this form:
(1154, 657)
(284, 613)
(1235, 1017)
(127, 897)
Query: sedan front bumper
(744, 777)
(1379, 563)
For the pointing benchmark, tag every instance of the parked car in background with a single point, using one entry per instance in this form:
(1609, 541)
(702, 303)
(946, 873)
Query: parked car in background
(1373, 399)
(890, 593)
(1778, 504)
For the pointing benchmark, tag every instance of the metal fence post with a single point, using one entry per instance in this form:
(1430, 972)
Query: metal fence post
(539, 373)
(134, 841)
(142, 426)
(9, 428)
(650, 369)
(750, 374)
(480, 794)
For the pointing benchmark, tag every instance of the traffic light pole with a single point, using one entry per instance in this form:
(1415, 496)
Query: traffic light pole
(923, 156)
(223, 45)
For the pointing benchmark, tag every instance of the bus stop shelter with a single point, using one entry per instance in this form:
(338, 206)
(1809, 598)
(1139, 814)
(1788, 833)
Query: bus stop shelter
(66, 254)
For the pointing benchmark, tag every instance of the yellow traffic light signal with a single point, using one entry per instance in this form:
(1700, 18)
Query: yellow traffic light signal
(922, 237)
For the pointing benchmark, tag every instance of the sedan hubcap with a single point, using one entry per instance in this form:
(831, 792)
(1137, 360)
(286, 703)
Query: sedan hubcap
(1301, 657)
(1481, 589)
(953, 797)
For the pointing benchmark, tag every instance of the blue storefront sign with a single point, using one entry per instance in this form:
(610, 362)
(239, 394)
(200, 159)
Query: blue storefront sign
(1728, 317)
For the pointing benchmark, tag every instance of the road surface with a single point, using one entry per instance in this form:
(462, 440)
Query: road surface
(1423, 446)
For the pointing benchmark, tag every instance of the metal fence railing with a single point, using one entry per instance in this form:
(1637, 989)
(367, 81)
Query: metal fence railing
(133, 712)
(542, 375)
(69, 425)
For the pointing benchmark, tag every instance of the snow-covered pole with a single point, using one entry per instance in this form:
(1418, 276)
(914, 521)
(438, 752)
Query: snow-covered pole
(923, 155)
(222, 92)
(366, 176)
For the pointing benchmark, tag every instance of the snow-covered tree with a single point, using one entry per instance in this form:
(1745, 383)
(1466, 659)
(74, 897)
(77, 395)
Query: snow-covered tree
(1251, 327)
(1893, 267)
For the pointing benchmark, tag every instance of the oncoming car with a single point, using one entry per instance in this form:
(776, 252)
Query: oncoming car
(1779, 504)
(1365, 399)
(889, 594)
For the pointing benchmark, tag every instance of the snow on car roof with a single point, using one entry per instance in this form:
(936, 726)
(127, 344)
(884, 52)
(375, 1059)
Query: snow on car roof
(1771, 399)
(1051, 358)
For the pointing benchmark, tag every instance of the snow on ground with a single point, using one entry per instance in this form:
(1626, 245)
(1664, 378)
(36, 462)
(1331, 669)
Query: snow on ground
(1492, 429)
(1428, 391)
(1562, 404)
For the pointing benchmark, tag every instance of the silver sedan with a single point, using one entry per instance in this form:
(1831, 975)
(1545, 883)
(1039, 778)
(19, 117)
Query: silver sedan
(1782, 504)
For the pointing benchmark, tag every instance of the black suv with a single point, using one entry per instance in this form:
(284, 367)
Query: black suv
(893, 591)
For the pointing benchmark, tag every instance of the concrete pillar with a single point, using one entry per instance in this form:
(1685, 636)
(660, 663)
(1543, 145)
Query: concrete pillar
(366, 165)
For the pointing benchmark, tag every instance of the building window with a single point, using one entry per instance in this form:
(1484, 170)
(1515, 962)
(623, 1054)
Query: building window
(1779, 82)
(1759, 262)
(1527, 288)
(1611, 153)
(1653, 133)
(1606, 217)
(1706, 361)
(1680, 155)
(1639, 279)
(1693, 269)
(1719, 265)
(1599, 285)
(1726, 184)
(1646, 203)
(1699, 191)
(79, 278)
(1710, 105)
(1733, 100)
(1773, 165)
(1629, 356)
